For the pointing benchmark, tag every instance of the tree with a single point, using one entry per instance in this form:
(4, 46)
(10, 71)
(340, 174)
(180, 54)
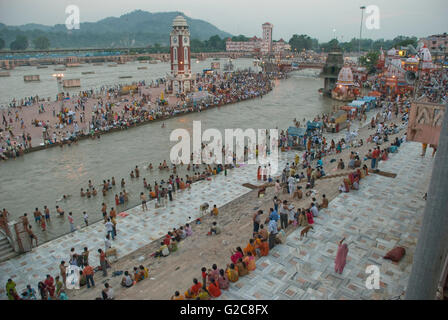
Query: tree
(403, 41)
(21, 43)
(300, 42)
(369, 60)
(215, 43)
(196, 45)
(328, 46)
(2, 43)
(240, 38)
(41, 43)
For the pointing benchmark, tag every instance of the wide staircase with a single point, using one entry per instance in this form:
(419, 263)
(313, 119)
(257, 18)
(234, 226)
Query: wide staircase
(6, 250)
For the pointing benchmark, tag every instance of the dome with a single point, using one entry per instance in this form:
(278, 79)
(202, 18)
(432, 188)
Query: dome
(426, 55)
(345, 76)
(180, 21)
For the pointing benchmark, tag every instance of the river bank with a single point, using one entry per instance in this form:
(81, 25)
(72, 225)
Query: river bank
(155, 113)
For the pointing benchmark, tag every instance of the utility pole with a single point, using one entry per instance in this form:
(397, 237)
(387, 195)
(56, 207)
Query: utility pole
(360, 29)
(432, 246)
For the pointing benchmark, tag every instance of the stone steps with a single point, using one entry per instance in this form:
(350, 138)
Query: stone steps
(6, 250)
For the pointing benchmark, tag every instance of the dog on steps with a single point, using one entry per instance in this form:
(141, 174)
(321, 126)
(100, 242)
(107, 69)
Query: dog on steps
(304, 231)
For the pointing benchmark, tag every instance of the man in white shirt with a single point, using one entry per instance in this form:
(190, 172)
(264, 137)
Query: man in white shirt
(284, 212)
(314, 210)
(107, 243)
(110, 228)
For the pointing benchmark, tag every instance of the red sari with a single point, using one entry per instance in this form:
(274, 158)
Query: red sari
(49, 285)
(235, 257)
(214, 290)
(341, 258)
(309, 216)
(259, 173)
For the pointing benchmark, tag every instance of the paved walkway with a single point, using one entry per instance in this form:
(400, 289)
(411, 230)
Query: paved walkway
(384, 213)
(134, 231)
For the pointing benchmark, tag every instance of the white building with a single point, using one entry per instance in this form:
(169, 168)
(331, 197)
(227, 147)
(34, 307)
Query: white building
(263, 45)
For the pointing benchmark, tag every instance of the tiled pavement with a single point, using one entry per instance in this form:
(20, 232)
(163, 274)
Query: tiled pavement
(297, 270)
(384, 213)
(134, 231)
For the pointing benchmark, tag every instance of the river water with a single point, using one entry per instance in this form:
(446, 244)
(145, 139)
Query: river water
(14, 87)
(40, 178)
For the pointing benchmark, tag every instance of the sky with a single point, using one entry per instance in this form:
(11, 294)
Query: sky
(321, 19)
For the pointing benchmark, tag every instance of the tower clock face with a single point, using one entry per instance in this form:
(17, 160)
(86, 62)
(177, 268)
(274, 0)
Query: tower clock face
(185, 40)
(174, 40)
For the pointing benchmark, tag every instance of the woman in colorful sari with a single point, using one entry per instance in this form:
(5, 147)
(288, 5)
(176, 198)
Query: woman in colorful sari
(195, 288)
(237, 255)
(213, 289)
(232, 274)
(249, 260)
(49, 285)
(341, 257)
(213, 274)
(223, 280)
(303, 220)
(259, 173)
(250, 248)
(203, 295)
(264, 248)
(309, 217)
(242, 268)
(385, 155)
(42, 291)
(338, 148)
(347, 184)
(177, 296)
(351, 177)
(10, 285)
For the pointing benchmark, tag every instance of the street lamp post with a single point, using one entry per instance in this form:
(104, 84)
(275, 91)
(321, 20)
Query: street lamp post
(360, 29)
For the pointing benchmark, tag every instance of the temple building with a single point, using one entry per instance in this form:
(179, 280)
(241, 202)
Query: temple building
(330, 71)
(346, 89)
(181, 79)
(425, 54)
(392, 80)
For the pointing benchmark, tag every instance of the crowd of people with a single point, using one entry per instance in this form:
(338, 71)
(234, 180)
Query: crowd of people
(266, 234)
(283, 214)
(70, 122)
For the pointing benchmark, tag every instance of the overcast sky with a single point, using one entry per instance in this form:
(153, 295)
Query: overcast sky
(316, 18)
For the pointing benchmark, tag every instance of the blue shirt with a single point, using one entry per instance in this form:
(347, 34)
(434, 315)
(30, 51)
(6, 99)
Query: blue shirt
(274, 216)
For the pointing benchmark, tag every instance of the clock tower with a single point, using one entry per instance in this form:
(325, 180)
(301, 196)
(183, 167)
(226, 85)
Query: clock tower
(180, 80)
